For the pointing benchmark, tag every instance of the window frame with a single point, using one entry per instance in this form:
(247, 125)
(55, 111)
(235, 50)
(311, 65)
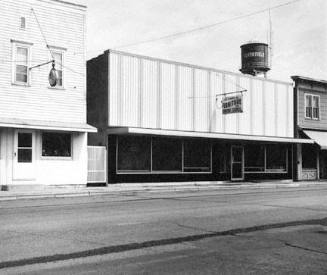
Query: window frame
(15, 46)
(22, 23)
(58, 50)
(312, 96)
(25, 147)
(57, 157)
(155, 172)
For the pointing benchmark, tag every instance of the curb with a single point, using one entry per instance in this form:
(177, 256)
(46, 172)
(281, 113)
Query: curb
(112, 190)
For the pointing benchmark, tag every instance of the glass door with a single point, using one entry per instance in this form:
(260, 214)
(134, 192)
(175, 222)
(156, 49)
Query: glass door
(23, 168)
(237, 163)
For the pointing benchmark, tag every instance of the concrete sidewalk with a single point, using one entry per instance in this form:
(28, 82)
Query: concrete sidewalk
(52, 191)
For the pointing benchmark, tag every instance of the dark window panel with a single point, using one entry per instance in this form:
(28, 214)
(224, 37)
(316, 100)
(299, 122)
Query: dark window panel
(276, 157)
(309, 157)
(24, 155)
(24, 139)
(56, 145)
(254, 158)
(166, 154)
(134, 153)
(197, 156)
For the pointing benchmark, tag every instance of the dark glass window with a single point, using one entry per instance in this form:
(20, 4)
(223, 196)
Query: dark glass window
(166, 154)
(221, 156)
(56, 144)
(276, 157)
(309, 157)
(134, 153)
(197, 156)
(24, 150)
(254, 157)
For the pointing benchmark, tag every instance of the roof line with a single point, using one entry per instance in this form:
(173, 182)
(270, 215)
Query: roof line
(70, 3)
(194, 66)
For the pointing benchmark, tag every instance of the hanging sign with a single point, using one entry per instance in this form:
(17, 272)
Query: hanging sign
(232, 104)
(53, 77)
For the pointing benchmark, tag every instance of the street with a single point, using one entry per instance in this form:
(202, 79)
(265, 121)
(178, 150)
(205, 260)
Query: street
(258, 231)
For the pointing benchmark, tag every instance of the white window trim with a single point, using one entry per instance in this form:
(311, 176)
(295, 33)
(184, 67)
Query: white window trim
(61, 51)
(305, 106)
(15, 45)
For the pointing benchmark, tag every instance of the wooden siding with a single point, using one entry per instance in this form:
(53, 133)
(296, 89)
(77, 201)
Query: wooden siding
(174, 96)
(311, 123)
(64, 27)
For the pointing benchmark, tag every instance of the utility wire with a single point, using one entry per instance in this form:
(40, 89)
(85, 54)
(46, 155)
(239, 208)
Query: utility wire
(206, 26)
(195, 29)
(42, 33)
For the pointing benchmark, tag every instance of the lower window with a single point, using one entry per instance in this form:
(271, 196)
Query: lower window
(56, 144)
(309, 157)
(276, 157)
(254, 156)
(197, 156)
(134, 153)
(166, 154)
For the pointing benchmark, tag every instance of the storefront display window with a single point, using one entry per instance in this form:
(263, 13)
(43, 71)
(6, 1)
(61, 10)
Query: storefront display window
(134, 153)
(276, 157)
(197, 156)
(166, 154)
(56, 144)
(309, 157)
(254, 158)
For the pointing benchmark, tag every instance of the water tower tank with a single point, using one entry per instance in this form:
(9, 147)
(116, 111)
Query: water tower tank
(254, 58)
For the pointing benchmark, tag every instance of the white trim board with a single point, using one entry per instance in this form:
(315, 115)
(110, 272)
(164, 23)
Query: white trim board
(146, 131)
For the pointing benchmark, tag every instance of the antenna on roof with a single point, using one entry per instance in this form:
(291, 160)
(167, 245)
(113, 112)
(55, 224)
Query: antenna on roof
(270, 42)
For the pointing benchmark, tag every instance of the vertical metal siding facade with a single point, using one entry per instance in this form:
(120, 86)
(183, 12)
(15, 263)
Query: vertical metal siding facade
(174, 96)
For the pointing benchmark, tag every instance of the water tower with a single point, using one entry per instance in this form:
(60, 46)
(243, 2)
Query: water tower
(255, 58)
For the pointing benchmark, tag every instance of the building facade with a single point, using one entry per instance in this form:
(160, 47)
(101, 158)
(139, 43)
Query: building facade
(168, 121)
(310, 120)
(43, 130)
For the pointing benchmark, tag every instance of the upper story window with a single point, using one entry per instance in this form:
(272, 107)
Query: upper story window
(312, 106)
(59, 60)
(21, 52)
(23, 23)
(21, 61)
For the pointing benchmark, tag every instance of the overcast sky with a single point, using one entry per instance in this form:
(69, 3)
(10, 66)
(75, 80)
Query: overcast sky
(299, 32)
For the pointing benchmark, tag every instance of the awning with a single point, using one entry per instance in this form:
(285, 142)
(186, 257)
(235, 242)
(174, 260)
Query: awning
(46, 125)
(319, 137)
(146, 131)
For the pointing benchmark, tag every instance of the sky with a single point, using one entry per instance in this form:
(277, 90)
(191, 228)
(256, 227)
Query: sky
(299, 32)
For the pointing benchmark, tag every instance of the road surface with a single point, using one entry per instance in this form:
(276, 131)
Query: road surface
(211, 231)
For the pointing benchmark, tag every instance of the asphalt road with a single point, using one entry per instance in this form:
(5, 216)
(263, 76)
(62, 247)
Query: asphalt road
(229, 232)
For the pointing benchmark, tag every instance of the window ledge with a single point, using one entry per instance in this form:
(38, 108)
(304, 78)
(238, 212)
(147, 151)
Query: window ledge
(315, 119)
(20, 84)
(57, 158)
(56, 88)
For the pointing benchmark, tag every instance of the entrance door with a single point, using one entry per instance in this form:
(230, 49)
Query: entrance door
(23, 160)
(323, 164)
(237, 160)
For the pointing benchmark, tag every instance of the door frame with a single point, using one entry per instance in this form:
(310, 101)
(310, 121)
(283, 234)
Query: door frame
(15, 171)
(232, 162)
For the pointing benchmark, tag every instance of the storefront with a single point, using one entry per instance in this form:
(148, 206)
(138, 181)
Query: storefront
(35, 154)
(168, 121)
(311, 123)
(149, 157)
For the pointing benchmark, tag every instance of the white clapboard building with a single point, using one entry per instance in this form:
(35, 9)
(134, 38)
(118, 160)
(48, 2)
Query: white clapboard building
(43, 130)
(168, 121)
